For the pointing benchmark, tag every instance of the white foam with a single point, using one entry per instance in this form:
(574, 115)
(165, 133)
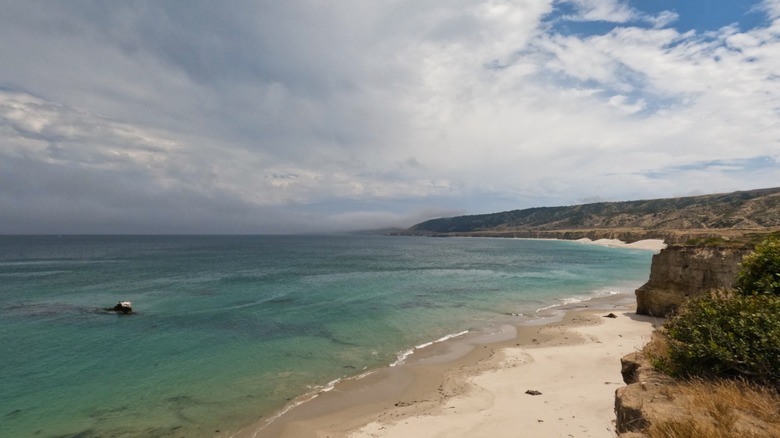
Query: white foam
(551, 306)
(317, 390)
(576, 299)
(314, 393)
(274, 417)
(406, 353)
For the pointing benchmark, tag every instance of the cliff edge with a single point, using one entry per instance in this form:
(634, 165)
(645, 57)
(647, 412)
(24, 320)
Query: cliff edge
(681, 272)
(653, 404)
(644, 400)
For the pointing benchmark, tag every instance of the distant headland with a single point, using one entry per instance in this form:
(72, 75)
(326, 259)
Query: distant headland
(719, 219)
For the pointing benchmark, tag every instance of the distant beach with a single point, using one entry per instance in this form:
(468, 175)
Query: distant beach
(648, 244)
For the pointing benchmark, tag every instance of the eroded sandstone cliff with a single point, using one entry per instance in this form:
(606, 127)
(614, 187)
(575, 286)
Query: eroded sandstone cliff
(644, 400)
(681, 272)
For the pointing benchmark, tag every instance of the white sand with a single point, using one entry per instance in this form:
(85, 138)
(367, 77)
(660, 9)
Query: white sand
(648, 244)
(574, 363)
(577, 385)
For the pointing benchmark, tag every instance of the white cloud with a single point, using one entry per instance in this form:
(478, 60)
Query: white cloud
(772, 8)
(663, 19)
(274, 109)
(623, 104)
(614, 11)
(34, 127)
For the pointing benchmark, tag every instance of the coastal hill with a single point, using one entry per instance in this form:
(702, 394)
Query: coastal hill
(722, 216)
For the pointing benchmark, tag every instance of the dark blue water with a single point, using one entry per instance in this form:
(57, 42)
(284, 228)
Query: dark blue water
(229, 329)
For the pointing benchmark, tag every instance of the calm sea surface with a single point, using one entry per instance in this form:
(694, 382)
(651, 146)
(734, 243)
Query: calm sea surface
(230, 328)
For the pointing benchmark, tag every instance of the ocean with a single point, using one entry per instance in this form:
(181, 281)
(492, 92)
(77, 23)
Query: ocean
(229, 329)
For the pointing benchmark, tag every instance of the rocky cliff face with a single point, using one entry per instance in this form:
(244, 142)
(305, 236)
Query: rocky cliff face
(654, 404)
(681, 272)
(644, 401)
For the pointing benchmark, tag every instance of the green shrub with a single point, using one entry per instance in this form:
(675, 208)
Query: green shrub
(724, 335)
(760, 271)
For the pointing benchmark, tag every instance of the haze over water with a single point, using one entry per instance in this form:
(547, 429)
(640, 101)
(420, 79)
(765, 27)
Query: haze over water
(230, 328)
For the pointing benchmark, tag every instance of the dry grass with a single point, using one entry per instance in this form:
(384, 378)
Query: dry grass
(714, 409)
(720, 409)
(658, 347)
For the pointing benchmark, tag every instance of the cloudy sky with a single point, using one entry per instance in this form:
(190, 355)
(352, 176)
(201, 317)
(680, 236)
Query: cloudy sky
(274, 116)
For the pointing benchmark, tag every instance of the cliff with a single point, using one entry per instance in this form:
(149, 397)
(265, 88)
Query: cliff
(681, 272)
(643, 401)
(654, 404)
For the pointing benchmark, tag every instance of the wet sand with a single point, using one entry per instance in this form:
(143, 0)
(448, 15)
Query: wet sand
(475, 385)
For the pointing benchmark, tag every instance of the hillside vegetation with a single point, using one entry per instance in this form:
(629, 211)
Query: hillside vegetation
(723, 352)
(725, 215)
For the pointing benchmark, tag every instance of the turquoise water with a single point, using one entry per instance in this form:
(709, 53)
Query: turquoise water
(229, 329)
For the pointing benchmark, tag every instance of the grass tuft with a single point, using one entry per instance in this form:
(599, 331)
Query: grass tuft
(720, 409)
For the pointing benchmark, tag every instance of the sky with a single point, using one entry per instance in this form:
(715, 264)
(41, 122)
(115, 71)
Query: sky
(300, 116)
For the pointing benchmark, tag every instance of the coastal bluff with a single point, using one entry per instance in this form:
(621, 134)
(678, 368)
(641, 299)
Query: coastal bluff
(654, 404)
(643, 401)
(680, 272)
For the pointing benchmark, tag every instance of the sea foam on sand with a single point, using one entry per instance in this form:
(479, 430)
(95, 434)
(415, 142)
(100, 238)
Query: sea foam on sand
(577, 382)
(574, 364)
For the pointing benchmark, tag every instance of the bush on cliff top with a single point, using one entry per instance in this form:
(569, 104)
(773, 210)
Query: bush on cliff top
(759, 272)
(732, 334)
(725, 335)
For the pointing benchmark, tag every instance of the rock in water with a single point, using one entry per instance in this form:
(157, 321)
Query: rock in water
(123, 307)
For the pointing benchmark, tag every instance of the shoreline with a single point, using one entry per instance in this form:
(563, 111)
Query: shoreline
(405, 389)
(647, 244)
(457, 384)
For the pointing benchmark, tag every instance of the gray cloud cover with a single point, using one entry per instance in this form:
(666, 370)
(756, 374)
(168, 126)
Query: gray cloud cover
(269, 117)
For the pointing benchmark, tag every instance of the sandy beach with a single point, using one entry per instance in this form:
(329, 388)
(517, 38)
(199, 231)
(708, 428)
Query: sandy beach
(648, 244)
(575, 381)
(477, 386)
